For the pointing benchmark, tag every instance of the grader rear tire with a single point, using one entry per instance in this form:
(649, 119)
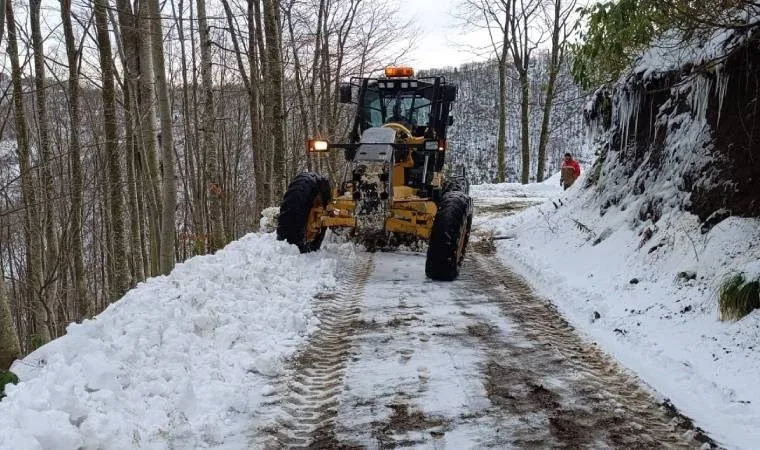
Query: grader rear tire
(449, 236)
(306, 192)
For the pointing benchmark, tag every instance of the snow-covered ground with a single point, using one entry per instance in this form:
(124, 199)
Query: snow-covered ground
(186, 360)
(603, 275)
(179, 362)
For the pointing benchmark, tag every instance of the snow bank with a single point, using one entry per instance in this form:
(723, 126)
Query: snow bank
(648, 294)
(180, 362)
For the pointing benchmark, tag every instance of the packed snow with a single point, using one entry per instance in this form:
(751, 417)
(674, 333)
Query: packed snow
(649, 298)
(179, 362)
(418, 362)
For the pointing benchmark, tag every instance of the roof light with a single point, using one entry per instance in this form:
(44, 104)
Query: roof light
(399, 72)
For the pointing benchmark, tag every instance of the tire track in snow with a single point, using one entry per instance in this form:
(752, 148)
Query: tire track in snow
(307, 398)
(586, 397)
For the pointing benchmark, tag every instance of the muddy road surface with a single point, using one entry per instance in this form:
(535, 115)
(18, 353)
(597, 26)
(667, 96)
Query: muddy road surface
(400, 361)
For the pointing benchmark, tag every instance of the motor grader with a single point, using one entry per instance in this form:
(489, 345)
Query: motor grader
(395, 186)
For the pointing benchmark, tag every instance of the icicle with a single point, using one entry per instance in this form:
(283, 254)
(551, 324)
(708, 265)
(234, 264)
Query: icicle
(628, 109)
(637, 108)
(721, 86)
(700, 97)
(622, 117)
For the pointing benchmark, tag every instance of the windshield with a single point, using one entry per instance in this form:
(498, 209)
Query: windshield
(410, 108)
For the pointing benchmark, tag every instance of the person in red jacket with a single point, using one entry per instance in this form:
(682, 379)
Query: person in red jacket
(571, 170)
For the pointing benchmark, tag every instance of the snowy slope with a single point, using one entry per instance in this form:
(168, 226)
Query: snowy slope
(180, 362)
(632, 301)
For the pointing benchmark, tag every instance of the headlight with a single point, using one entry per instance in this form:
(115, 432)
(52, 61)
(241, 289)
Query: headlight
(316, 145)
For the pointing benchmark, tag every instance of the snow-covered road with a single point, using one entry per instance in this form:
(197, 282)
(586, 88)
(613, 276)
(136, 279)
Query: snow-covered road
(404, 362)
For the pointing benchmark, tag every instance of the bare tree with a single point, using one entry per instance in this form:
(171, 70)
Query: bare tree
(254, 68)
(273, 92)
(151, 180)
(119, 256)
(51, 247)
(82, 302)
(10, 347)
(126, 29)
(559, 26)
(9, 344)
(524, 40)
(32, 233)
(216, 221)
(495, 16)
(169, 190)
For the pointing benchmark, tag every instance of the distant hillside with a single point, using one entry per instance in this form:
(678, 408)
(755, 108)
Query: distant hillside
(472, 139)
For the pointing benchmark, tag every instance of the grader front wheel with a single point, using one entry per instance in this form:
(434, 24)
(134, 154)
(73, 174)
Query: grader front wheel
(301, 210)
(449, 236)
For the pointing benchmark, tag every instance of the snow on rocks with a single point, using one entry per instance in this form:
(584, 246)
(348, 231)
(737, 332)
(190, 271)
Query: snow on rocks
(665, 328)
(180, 362)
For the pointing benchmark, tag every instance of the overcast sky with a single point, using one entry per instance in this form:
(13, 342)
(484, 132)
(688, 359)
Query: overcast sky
(443, 42)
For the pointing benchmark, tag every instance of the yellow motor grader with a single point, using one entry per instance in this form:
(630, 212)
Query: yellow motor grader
(395, 186)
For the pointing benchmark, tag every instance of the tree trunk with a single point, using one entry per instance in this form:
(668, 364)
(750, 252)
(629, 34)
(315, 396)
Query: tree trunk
(216, 221)
(255, 110)
(147, 125)
(300, 90)
(119, 256)
(140, 263)
(525, 124)
(274, 88)
(10, 348)
(200, 180)
(32, 233)
(190, 179)
(520, 48)
(169, 189)
(263, 178)
(501, 139)
(9, 343)
(553, 71)
(129, 43)
(51, 248)
(82, 302)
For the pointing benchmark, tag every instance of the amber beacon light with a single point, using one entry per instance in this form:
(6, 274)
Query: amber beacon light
(399, 72)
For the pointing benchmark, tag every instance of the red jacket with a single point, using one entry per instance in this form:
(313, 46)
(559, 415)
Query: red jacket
(574, 164)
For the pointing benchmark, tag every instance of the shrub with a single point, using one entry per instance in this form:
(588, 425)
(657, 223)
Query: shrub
(6, 377)
(738, 296)
(592, 179)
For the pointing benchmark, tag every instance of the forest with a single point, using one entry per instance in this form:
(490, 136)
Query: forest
(137, 134)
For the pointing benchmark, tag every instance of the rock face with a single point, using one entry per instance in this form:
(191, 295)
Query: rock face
(681, 130)
(737, 135)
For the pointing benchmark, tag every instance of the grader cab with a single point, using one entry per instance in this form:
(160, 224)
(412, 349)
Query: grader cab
(394, 188)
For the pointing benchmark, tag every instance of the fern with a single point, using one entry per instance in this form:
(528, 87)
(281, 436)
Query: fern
(584, 228)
